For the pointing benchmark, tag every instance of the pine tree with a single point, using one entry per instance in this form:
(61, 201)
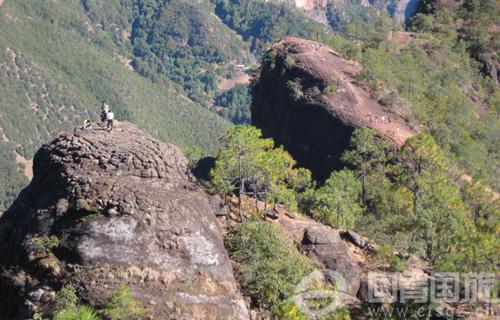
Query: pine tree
(247, 162)
(238, 160)
(438, 209)
(367, 154)
(337, 202)
(476, 245)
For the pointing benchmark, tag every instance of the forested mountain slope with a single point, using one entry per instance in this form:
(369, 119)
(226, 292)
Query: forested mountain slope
(412, 118)
(157, 63)
(182, 41)
(262, 23)
(61, 60)
(56, 68)
(432, 75)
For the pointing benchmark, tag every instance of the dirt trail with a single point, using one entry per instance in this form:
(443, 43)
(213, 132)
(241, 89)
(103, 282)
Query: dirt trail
(349, 100)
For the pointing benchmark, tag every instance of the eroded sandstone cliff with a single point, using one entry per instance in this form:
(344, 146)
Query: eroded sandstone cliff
(308, 100)
(117, 207)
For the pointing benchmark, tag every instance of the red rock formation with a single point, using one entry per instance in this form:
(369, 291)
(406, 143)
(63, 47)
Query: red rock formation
(307, 99)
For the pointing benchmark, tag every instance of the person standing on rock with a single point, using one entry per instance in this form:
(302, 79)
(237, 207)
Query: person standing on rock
(110, 116)
(104, 112)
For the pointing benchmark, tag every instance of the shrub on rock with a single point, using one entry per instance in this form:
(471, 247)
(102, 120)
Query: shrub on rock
(271, 266)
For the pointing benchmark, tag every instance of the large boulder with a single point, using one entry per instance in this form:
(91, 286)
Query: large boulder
(325, 245)
(106, 208)
(491, 65)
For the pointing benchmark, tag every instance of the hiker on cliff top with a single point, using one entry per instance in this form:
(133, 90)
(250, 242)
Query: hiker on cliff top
(110, 116)
(104, 111)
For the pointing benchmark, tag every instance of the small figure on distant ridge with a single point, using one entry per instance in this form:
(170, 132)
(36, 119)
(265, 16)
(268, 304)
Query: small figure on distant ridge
(104, 112)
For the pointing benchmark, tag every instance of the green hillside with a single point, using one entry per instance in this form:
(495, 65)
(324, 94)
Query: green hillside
(56, 68)
(176, 40)
(430, 76)
(263, 22)
(157, 63)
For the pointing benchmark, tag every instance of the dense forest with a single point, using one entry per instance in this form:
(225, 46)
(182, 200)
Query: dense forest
(263, 22)
(408, 201)
(172, 40)
(235, 104)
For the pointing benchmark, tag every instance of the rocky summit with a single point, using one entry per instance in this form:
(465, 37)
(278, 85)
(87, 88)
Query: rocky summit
(307, 99)
(111, 208)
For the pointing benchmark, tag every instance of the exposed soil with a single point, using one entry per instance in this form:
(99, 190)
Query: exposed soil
(228, 84)
(310, 4)
(127, 62)
(28, 165)
(401, 38)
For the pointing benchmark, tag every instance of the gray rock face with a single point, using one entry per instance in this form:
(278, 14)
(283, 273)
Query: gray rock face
(122, 208)
(491, 66)
(325, 245)
(354, 238)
